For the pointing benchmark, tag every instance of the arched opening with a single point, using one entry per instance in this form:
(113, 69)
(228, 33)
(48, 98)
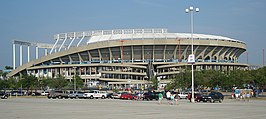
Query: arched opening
(214, 59)
(207, 59)
(200, 59)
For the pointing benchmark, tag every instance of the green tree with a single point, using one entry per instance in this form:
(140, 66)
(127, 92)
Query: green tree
(180, 81)
(47, 82)
(155, 82)
(12, 83)
(79, 82)
(60, 82)
(260, 77)
(8, 67)
(3, 84)
(29, 82)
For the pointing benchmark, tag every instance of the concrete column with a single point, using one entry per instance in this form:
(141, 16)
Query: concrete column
(14, 56)
(45, 51)
(20, 55)
(37, 52)
(28, 53)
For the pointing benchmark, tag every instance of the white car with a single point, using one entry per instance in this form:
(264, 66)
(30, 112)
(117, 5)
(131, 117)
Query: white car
(44, 93)
(182, 95)
(95, 94)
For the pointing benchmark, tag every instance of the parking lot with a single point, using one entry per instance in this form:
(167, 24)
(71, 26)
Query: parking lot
(43, 108)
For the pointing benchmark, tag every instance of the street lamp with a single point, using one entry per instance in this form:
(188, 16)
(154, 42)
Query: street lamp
(191, 58)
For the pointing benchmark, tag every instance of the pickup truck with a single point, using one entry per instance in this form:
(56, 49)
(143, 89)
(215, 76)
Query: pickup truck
(95, 94)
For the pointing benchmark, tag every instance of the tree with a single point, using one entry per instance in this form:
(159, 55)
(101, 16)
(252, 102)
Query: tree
(8, 67)
(47, 83)
(79, 82)
(180, 81)
(12, 83)
(260, 77)
(60, 82)
(3, 84)
(155, 82)
(30, 82)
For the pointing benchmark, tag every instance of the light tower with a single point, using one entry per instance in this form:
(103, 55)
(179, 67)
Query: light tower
(191, 58)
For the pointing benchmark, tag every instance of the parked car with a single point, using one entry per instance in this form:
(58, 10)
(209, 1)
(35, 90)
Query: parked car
(110, 95)
(44, 93)
(150, 96)
(58, 94)
(137, 96)
(95, 94)
(4, 95)
(127, 96)
(77, 94)
(213, 96)
(117, 95)
(197, 97)
(182, 95)
(17, 93)
(35, 94)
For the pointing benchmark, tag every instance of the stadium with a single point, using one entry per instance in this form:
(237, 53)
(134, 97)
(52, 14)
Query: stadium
(124, 57)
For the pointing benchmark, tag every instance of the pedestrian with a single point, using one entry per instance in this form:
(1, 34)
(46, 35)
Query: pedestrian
(139, 96)
(244, 96)
(168, 95)
(160, 98)
(176, 99)
(248, 96)
(172, 98)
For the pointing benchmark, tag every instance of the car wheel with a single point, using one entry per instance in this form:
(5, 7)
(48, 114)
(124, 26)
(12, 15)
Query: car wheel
(103, 97)
(212, 101)
(59, 97)
(91, 97)
(220, 100)
(77, 97)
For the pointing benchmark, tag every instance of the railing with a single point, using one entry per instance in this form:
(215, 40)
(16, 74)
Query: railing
(71, 35)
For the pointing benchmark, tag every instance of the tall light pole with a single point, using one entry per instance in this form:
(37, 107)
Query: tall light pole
(192, 57)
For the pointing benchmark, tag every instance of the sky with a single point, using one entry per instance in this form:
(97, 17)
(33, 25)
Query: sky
(39, 20)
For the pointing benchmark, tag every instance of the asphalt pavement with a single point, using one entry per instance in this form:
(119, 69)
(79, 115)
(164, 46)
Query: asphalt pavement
(42, 108)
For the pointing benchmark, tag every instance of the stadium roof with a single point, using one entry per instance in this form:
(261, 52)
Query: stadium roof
(131, 34)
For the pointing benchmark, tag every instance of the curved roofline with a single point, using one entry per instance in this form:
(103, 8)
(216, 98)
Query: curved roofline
(119, 34)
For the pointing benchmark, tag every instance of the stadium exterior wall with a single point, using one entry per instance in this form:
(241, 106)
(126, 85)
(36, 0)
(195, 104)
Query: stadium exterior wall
(124, 62)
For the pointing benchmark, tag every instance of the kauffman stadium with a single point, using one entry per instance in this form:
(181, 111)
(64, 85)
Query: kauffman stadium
(124, 57)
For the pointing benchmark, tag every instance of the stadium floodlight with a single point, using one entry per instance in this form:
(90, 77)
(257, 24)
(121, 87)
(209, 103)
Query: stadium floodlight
(192, 57)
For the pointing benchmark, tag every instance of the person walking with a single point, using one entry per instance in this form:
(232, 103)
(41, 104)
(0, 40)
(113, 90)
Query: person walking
(160, 98)
(172, 98)
(248, 96)
(168, 96)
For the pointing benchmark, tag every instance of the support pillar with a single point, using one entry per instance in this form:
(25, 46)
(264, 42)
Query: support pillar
(14, 56)
(28, 53)
(45, 51)
(37, 52)
(20, 55)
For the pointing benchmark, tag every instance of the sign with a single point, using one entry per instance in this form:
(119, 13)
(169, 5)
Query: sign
(191, 59)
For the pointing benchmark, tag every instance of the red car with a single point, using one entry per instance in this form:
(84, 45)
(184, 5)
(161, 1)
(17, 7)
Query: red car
(127, 96)
(197, 97)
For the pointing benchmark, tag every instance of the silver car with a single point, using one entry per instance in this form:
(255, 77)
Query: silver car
(76, 94)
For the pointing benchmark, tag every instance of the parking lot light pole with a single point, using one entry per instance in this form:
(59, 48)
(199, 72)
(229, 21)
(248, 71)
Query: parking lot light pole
(191, 10)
